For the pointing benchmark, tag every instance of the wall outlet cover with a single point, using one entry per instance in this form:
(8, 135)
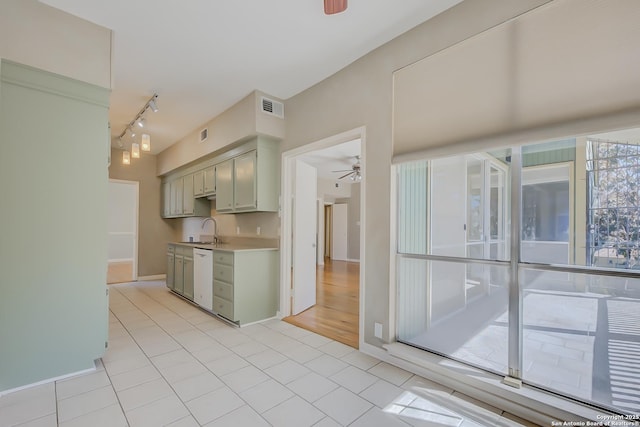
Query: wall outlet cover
(377, 330)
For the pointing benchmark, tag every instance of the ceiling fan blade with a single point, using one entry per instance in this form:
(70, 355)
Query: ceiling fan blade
(334, 6)
(344, 170)
(346, 175)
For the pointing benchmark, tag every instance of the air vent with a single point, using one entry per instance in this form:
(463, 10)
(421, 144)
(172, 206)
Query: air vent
(272, 107)
(204, 133)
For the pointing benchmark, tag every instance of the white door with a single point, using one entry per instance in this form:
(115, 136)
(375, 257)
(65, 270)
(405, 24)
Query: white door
(304, 237)
(339, 236)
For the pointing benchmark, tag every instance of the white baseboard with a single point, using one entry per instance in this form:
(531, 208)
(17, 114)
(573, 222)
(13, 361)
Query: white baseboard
(353, 260)
(47, 381)
(154, 277)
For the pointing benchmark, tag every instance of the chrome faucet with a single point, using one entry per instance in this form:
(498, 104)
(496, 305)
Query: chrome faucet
(215, 228)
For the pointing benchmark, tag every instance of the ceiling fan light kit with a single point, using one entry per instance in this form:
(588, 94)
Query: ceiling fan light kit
(332, 7)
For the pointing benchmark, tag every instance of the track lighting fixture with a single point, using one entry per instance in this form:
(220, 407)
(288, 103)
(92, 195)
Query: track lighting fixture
(138, 120)
(146, 142)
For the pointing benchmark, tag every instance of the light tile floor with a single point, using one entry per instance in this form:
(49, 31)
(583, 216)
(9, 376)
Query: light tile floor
(170, 364)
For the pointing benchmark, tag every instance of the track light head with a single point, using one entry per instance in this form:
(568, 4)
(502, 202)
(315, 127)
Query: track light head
(141, 122)
(153, 105)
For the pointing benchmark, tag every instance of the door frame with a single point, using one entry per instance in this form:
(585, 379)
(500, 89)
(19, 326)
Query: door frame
(136, 232)
(286, 218)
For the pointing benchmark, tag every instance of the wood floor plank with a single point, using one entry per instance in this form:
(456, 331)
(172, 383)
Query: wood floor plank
(336, 313)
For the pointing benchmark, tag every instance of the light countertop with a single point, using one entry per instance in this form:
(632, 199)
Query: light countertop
(228, 247)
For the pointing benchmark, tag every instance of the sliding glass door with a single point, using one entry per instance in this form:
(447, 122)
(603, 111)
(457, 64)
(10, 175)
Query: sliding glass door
(575, 276)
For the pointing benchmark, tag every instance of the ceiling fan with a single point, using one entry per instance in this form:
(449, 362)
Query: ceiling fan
(353, 173)
(334, 6)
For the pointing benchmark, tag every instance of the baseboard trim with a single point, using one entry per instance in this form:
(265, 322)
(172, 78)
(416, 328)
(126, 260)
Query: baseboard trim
(353, 260)
(154, 277)
(47, 381)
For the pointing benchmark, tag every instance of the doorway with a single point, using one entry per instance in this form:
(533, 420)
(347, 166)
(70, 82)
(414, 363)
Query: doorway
(122, 231)
(336, 284)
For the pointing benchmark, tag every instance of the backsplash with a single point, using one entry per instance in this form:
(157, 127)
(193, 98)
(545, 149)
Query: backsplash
(232, 226)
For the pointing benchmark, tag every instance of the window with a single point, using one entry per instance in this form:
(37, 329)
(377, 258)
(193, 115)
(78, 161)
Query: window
(578, 271)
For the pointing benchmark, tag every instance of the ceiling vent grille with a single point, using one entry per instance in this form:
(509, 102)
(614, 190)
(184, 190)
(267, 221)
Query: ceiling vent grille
(272, 107)
(204, 133)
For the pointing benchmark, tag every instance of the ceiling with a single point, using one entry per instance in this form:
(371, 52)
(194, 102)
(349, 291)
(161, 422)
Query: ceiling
(203, 56)
(328, 160)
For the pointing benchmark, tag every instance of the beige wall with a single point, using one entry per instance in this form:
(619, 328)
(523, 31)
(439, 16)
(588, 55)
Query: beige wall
(34, 34)
(361, 95)
(240, 122)
(153, 232)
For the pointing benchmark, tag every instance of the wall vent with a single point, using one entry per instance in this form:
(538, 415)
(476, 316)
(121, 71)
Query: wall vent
(272, 107)
(204, 133)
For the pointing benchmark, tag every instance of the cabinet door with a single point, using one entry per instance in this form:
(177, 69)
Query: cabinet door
(188, 278)
(210, 180)
(170, 267)
(178, 276)
(244, 173)
(198, 183)
(187, 195)
(176, 196)
(224, 186)
(166, 200)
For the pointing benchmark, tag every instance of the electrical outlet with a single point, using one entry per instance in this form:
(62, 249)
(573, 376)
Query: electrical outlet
(258, 231)
(237, 230)
(377, 330)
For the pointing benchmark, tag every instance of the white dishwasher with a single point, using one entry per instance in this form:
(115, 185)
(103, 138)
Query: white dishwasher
(203, 278)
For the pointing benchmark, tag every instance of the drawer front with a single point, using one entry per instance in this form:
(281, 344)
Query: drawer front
(171, 249)
(220, 257)
(185, 250)
(223, 272)
(223, 290)
(223, 307)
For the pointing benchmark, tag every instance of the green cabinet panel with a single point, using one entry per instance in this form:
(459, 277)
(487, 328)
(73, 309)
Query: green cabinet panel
(224, 186)
(170, 270)
(245, 285)
(178, 274)
(244, 176)
(166, 200)
(187, 195)
(198, 184)
(187, 278)
(210, 181)
(177, 186)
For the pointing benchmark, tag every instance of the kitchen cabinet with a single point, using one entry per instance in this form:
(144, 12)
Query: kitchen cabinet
(210, 181)
(187, 276)
(178, 274)
(179, 199)
(188, 199)
(170, 266)
(166, 200)
(244, 177)
(245, 284)
(224, 186)
(248, 182)
(198, 184)
(180, 270)
(177, 186)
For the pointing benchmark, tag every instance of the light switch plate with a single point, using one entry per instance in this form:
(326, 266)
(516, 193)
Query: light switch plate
(377, 330)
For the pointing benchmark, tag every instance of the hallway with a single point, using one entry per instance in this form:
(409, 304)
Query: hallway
(336, 313)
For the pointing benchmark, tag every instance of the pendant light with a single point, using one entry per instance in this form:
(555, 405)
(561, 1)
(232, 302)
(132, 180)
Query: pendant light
(135, 150)
(146, 142)
(126, 158)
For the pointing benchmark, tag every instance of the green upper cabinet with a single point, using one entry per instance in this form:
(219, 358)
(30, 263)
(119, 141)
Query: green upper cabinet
(210, 181)
(198, 184)
(224, 186)
(244, 176)
(243, 179)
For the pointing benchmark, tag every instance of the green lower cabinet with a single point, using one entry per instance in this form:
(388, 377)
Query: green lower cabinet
(245, 285)
(170, 269)
(178, 274)
(187, 278)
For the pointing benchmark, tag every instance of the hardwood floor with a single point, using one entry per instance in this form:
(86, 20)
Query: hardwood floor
(119, 272)
(336, 313)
